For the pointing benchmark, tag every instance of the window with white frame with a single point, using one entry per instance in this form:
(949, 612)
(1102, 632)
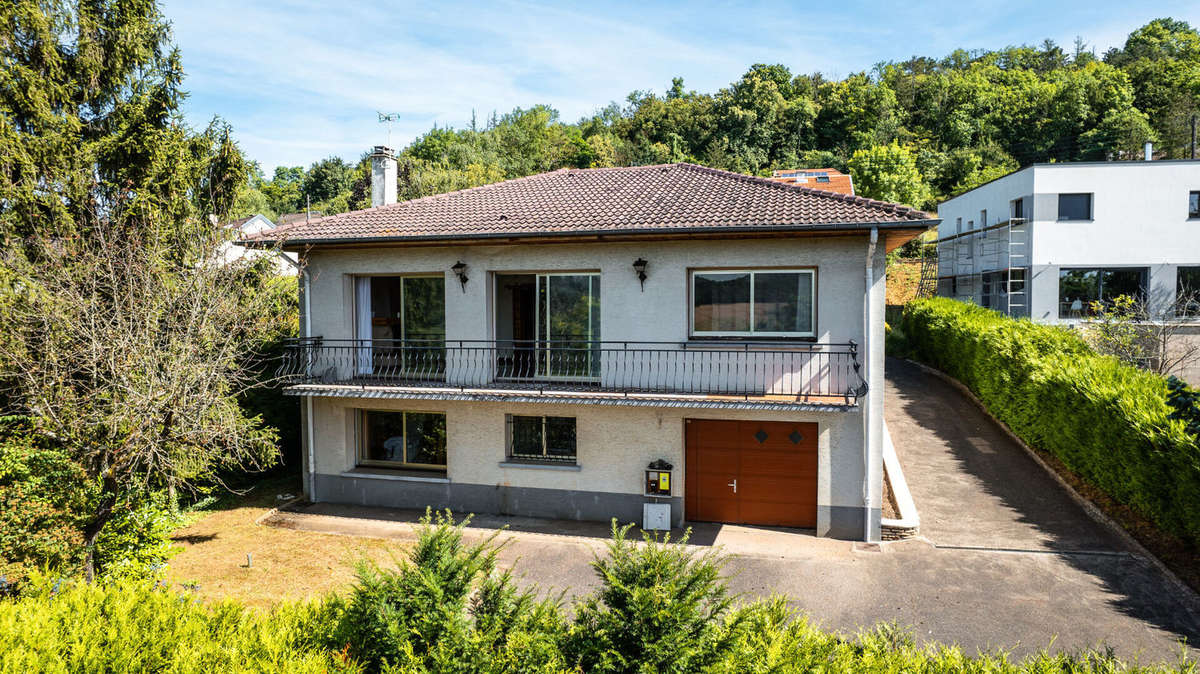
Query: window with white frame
(549, 439)
(754, 303)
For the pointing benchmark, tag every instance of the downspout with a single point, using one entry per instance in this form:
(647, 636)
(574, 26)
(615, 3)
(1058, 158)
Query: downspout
(306, 331)
(868, 408)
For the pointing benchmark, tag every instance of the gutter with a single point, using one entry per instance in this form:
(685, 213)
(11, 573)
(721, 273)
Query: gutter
(598, 233)
(306, 331)
(868, 408)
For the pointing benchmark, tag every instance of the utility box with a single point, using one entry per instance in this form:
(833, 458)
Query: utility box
(656, 516)
(658, 479)
(659, 482)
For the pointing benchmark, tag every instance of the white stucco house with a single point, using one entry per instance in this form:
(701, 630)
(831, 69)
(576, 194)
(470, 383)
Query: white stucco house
(1047, 241)
(579, 343)
(251, 226)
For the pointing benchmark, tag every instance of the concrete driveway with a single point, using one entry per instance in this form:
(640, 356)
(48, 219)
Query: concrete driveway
(1007, 560)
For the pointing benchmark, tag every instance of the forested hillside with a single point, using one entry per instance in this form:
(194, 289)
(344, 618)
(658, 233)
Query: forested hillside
(912, 131)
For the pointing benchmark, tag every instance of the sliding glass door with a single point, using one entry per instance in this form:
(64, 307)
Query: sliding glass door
(401, 326)
(568, 325)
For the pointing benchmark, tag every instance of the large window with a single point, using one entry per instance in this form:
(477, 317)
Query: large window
(1187, 292)
(405, 317)
(759, 303)
(550, 439)
(1079, 288)
(1075, 207)
(403, 439)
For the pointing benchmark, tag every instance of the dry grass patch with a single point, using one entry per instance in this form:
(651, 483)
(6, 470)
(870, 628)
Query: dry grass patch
(286, 564)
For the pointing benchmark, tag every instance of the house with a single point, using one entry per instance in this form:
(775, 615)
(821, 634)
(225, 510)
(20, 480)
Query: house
(1047, 241)
(830, 180)
(249, 227)
(581, 343)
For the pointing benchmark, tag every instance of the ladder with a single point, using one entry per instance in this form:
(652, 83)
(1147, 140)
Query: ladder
(1016, 274)
(927, 287)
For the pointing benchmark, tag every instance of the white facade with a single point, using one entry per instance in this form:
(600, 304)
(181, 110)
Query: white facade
(230, 251)
(617, 436)
(1139, 224)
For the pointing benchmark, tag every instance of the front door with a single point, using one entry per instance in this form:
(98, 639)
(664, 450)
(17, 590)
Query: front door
(751, 472)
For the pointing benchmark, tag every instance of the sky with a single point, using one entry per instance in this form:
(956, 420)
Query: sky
(300, 80)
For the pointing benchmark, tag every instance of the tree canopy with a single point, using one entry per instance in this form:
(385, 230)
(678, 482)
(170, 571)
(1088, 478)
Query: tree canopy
(964, 118)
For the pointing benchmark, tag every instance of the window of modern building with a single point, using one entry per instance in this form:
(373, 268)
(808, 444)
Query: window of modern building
(1079, 289)
(958, 226)
(550, 439)
(402, 439)
(1187, 292)
(983, 222)
(1075, 206)
(1194, 204)
(1018, 209)
(754, 303)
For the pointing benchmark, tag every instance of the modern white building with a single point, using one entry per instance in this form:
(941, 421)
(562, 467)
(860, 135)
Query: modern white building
(583, 343)
(1048, 240)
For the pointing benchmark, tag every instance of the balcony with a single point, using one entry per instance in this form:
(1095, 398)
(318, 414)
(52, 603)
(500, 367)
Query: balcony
(720, 373)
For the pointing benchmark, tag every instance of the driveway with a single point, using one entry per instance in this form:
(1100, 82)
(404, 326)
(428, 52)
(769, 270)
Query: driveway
(1006, 561)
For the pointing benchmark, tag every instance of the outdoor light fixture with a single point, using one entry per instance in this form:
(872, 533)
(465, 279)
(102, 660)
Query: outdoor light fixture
(460, 270)
(639, 268)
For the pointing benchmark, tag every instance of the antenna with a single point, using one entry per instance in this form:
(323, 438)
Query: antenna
(388, 119)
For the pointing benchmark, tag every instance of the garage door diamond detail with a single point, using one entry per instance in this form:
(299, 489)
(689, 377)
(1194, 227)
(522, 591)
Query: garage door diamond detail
(795, 437)
(761, 436)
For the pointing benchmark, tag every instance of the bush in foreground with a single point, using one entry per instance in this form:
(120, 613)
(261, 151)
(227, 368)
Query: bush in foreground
(1106, 421)
(660, 607)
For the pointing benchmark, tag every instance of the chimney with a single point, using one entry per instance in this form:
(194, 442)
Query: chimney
(383, 176)
(1149, 151)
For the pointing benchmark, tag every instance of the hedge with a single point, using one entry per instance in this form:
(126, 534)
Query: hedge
(1106, 421)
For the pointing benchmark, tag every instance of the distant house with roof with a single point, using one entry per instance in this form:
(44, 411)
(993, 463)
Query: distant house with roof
(253, 225)
(654, 343)
(830, 180)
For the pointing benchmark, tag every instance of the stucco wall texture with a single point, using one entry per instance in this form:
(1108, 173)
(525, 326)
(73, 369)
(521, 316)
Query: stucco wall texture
(614, 443)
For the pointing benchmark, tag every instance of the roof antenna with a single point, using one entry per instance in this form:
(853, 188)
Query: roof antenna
(388, 119)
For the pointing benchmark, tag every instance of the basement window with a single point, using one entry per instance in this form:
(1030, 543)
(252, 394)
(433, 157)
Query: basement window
(541, 439)
(414, 440)
(1187, 292)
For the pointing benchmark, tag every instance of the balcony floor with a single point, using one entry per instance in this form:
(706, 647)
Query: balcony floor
(394, 391)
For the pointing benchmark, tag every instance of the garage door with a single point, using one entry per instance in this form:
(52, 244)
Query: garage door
(750, 472)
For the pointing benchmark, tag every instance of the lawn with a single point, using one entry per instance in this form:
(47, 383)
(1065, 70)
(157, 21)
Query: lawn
(285, 564)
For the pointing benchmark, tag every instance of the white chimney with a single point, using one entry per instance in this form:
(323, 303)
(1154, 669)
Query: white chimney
(383, 176)
(1149, 150)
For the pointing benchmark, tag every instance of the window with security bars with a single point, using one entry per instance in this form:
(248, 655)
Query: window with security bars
(549, 439)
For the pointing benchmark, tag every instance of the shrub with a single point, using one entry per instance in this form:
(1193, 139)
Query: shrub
(446, 609)
(130, 626)
(45, 499)
(660, 608)
(1106, 421)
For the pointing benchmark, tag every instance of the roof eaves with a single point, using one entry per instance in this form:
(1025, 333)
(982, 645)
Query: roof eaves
(599, 233)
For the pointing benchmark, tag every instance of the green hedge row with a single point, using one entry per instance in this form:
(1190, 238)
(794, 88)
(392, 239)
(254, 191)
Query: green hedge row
(1106, 421)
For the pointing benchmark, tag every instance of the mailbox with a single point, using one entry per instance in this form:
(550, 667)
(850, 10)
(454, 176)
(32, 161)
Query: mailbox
(659, 479)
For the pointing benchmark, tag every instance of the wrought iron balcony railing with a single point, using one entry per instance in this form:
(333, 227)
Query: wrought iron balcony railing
(754, 369)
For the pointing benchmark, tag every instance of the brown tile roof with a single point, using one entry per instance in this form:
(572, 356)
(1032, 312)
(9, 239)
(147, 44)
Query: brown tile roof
(678, 198)
(830, 180)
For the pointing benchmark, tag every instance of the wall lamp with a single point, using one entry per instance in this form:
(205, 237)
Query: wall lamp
(460, 270)
(639, 268)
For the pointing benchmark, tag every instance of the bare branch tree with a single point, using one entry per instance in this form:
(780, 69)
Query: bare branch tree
(1160, 336)
(132, 356)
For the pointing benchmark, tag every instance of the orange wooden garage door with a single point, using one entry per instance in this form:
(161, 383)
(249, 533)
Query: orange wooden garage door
(774, 465)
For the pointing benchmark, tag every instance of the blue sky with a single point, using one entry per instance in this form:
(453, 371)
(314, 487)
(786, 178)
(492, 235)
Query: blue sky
(302, 80)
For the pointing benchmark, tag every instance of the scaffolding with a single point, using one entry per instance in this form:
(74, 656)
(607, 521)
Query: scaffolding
(987, 266)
